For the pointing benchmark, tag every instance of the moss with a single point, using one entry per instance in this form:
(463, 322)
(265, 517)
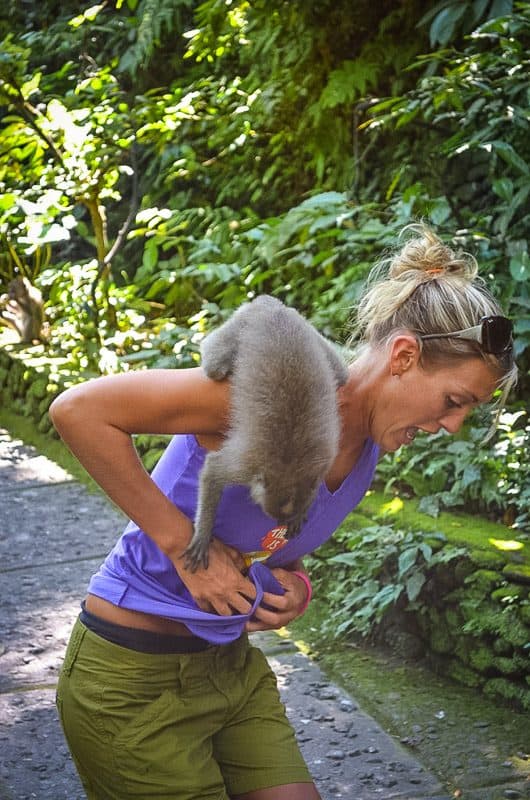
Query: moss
(510, 666)
(462, 674)
(513, 629)
(487, 559)
(440, 637)
(482, 660)
(507, 690)
(501, 647)
(45, 404)
(461, 529)
(463, 568)
(509, 592)
(463, 648)
(483, 580)
(524, 613)
(454, 620)
(519, 573)
(45, 424)
(38, 388)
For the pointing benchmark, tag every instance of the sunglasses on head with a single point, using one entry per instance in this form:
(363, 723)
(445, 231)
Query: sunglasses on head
(493, 334)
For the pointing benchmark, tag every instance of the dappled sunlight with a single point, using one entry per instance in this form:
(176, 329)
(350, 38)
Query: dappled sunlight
(36, 626)
(506, 544)
(394, 506)
(22, 464)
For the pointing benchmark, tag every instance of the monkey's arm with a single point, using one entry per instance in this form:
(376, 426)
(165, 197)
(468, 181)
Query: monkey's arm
(211, 484)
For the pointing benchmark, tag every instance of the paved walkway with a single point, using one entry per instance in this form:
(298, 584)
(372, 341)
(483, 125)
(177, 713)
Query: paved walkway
(53, 535)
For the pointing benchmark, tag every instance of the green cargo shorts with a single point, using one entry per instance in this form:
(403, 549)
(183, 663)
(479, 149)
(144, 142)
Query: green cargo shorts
(198, 726)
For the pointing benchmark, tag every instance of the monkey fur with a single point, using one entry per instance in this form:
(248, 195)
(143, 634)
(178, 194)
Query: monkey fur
(22, 309)
(284, 423)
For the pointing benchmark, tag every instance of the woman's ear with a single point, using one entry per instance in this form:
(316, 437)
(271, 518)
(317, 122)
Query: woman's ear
(404, 354)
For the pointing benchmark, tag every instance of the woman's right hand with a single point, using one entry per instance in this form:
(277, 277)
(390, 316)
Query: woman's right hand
(221, 588)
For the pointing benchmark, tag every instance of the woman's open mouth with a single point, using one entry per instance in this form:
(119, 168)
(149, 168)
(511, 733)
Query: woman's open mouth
(410, 433)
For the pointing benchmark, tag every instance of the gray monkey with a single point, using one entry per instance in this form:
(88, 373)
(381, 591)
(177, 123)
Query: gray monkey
(22, 309)
(284, 423)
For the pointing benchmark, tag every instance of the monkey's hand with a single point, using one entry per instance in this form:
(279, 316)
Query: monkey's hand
(222, 588)
(197, 552)
(294, 527)
(282, 608)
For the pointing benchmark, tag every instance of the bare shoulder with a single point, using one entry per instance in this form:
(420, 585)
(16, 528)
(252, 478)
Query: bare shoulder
(152, 401)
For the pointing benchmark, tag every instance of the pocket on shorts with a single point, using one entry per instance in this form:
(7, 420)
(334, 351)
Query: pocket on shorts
(72, 651)
(145, 744)
(74, 645)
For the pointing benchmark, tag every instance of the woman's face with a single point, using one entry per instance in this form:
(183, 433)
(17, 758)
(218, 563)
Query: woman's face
(415, 399)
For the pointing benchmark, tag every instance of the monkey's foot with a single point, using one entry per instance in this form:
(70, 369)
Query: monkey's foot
(196, 554)
(217, 370)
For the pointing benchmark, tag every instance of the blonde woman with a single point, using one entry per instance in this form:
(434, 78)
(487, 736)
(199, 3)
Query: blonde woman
(161, 695)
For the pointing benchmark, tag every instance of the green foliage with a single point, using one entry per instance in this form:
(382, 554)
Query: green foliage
(379, 565)
(462, 471)
(162, 163)
(154, 20)
(451, 17)
(472, 106)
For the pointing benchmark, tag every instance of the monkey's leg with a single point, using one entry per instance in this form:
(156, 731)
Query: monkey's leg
(211, 484)
(219, 348)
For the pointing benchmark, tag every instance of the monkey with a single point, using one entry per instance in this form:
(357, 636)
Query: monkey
(283, 430)
(22, 309)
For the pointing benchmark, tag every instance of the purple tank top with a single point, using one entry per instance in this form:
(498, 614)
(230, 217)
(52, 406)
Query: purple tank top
(137, 575)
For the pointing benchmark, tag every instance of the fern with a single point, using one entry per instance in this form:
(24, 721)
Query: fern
(156, 18)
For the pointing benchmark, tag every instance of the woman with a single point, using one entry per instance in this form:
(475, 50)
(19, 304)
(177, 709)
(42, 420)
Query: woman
(158, 702)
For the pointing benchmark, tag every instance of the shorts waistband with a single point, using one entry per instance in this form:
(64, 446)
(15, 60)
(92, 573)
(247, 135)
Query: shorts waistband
(140, 640)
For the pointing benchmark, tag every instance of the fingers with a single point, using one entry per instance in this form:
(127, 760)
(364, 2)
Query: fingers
(277, 610)
(221, 588)
(236, 556)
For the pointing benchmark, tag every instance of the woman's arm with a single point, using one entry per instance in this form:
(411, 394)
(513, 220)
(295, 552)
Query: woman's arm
(96, 420)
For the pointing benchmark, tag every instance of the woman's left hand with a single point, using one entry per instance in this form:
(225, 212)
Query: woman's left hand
(282, 608)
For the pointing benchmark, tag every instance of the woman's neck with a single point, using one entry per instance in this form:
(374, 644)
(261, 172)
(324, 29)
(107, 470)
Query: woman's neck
(356, 401)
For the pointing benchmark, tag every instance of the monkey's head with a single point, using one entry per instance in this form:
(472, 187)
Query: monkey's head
(287, 497)
(18, 287)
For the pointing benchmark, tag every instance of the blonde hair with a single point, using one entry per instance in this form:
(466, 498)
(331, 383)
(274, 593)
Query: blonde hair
(426, 287)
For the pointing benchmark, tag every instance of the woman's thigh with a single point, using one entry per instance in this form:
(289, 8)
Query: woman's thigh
(257, 749)
(291, 791)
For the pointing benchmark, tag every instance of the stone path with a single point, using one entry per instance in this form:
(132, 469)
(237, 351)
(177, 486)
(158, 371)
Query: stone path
(53, 535)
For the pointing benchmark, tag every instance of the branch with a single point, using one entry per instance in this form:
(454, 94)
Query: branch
(27, 112)
(133, 208)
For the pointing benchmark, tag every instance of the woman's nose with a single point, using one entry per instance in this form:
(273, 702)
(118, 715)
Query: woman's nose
(453, 422)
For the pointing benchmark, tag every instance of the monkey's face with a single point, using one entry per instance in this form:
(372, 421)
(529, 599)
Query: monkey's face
(286, 501)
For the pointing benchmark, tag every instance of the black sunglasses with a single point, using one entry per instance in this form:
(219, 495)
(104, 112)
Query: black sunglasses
(494, 335)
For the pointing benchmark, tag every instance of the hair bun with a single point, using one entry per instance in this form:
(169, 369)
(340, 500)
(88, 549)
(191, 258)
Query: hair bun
(425, 253)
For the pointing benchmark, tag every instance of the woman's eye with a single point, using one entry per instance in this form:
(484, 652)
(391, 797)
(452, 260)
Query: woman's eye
(452, 403)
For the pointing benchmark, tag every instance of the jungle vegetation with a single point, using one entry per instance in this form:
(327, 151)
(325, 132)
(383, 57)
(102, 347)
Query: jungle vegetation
(161, 161)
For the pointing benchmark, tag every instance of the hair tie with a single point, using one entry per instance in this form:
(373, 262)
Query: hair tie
(435, 270)
(305, 578)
